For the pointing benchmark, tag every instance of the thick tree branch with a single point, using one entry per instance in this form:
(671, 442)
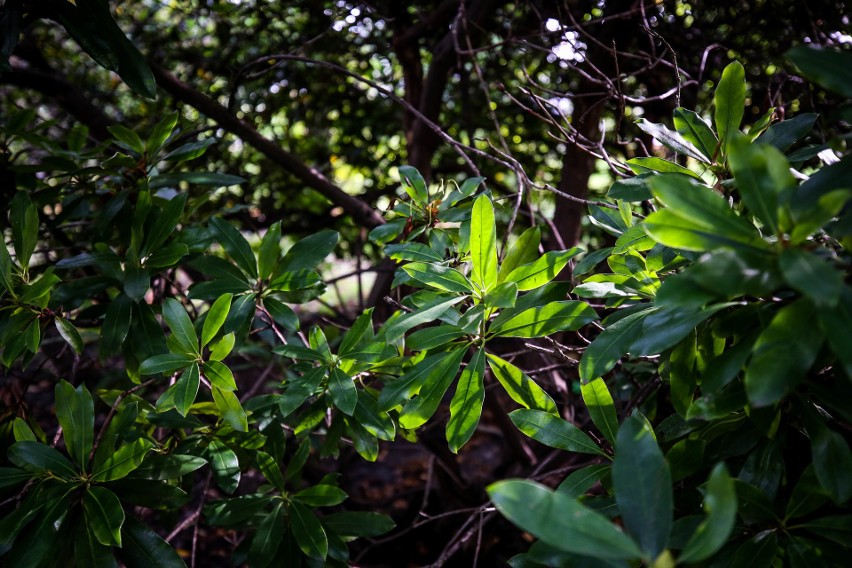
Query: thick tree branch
(361, 212)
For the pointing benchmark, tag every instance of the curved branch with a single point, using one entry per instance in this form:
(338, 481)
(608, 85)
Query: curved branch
(361, 212)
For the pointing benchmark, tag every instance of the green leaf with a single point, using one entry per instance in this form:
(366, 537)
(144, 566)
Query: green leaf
(342, 390)
(520, 387)
(543, 270)
(358, 523)
(426, 313)
(22, 431)
(829, 68)
(40, 458)
(553, 431)
(189, 151)
(641, 166)
(89, 552)
(23, 216)
(483, 243)
(162, 228)
(720, 506)
(836, 528)
(832, 461)
(580, 481)
(75, 411)
(757, 552)
(281, 313)
(523, 251)
(12, 476)
(230, 409)
(560, 521)
(730, 102)
(439, 277)
(215, 318)
(601, 408)
(166, 363)
(127, 138)
(104, 515)
(412, 252)
(321, 495)
(428, 371)
(270, 470)
(181, 326)
(307, 253)
(69, 333)
(502, 296)
(666, 327)
(219, 375)
(672, 140)
(631, 190)
(694, 129)
(812, 276)
(544, 320)
(116, 325)
(643, 486)
(186, 389)
(209, 179)
(161, 131)
(466, 405)
(165, 467)
(270, 251)
(39, 291)
(702, 208)
(223, 347)
(308, 532)
(126, 459)
(225, 465)
(835, 323)
(762, 174)
(414, 184)
(782, 354)
(608, 347)
(143, 548)
(268, 536)
(235, 245)
(434, 381)
(784, 134)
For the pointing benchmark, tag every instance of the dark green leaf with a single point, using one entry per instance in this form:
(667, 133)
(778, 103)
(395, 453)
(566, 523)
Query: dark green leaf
(832, 461)
(561, 521)
(601, 408)
(812, 276)
(267, 539)
(694, 129)
(70, 334)
(215, 318)
(757, 552)
(143, 548)
(210, 179)
(307, 253)
(342, 390)
(104, 515)
(784, 134)
(658, 165)
(782, 354)
(166, 363)
(186, 389)
(89, 552)
(631, 189)
(225, 465)
(358, 523)
(829, 68)
(270, 470)
(720, 506)
(75, 411)
(580, 481)
(553, 431)
(426, 313)
(11, 476)
(412, 252)
(164, 467)
(179, 323)
(40, 458)
(608, 347)
(428, 371)
(643, 486)
(116, 324)
(308, 532)
(23, 216)
(190, 150)
(127, 458)
(235, 245)
(466, 405)
(270, 250)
